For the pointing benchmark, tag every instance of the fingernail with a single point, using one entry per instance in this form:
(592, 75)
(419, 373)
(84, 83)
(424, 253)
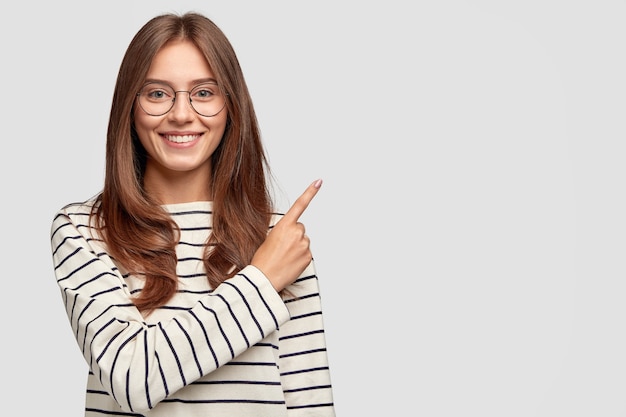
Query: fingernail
(318, 183)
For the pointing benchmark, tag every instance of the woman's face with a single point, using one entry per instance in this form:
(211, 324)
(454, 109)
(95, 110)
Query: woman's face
(181, 141)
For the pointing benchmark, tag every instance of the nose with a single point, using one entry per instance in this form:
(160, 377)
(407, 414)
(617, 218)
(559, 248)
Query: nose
(181, 110)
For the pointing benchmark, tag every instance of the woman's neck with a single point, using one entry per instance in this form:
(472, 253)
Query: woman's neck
(172, 187)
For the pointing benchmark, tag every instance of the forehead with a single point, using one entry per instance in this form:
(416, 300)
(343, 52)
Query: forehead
(179, 62)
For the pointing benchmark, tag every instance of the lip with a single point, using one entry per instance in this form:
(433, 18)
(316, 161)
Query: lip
(181, 139)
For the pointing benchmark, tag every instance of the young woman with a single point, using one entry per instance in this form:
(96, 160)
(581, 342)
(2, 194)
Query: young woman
(187, 294)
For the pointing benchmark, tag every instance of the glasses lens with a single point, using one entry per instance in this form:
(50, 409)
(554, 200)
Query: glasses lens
(156, 99)
(206, 99)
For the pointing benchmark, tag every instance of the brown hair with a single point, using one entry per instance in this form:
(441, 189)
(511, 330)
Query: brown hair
(139, 234)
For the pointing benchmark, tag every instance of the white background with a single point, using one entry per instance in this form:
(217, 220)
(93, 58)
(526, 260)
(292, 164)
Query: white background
(471, 230)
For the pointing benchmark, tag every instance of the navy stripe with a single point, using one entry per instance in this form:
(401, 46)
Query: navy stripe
(145, 361)
(206, 338)
(193, 350)
(169, 342)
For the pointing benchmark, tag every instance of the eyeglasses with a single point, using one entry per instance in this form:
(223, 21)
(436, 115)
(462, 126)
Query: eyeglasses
(156, 98)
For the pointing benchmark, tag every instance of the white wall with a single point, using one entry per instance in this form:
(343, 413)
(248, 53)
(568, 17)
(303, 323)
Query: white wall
(470, 233)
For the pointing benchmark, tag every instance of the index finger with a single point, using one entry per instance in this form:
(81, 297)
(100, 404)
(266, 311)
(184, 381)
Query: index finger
(302, 202)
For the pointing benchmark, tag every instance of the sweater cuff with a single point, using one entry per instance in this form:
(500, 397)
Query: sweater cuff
(267, 292)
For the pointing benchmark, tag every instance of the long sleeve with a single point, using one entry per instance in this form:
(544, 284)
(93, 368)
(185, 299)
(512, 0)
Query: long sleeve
(303, 358)
(139, 363)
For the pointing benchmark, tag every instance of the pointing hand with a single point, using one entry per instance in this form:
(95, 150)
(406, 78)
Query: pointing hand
(285, 253)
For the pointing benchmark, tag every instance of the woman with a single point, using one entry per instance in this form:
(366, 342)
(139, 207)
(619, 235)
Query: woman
(186, 295)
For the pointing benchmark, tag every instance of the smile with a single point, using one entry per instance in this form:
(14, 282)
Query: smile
(181, 139)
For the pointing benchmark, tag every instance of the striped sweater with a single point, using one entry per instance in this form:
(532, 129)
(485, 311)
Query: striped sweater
(236, 350)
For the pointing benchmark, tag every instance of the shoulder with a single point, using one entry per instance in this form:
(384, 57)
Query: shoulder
(76, 215)
(78, 210)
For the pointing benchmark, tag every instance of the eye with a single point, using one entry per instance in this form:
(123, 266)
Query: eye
(205, 92)
(157, 92)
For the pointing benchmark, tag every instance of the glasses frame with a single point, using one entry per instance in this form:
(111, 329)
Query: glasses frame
(173, 101)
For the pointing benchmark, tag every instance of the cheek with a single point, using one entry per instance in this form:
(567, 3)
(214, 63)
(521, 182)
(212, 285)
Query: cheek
(143, 125)
(218, 124)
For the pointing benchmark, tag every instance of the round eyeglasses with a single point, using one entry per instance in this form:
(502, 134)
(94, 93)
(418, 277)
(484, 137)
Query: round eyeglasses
(156, 98)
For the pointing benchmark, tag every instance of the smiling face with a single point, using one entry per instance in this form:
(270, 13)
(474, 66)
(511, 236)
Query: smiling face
(179, 143)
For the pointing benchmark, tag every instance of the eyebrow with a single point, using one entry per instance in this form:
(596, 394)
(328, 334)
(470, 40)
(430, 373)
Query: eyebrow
(192, 82)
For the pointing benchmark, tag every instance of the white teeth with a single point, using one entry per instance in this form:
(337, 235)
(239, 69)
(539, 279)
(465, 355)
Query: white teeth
(180, 139)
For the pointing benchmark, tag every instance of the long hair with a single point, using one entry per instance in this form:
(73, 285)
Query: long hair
(139, 233)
